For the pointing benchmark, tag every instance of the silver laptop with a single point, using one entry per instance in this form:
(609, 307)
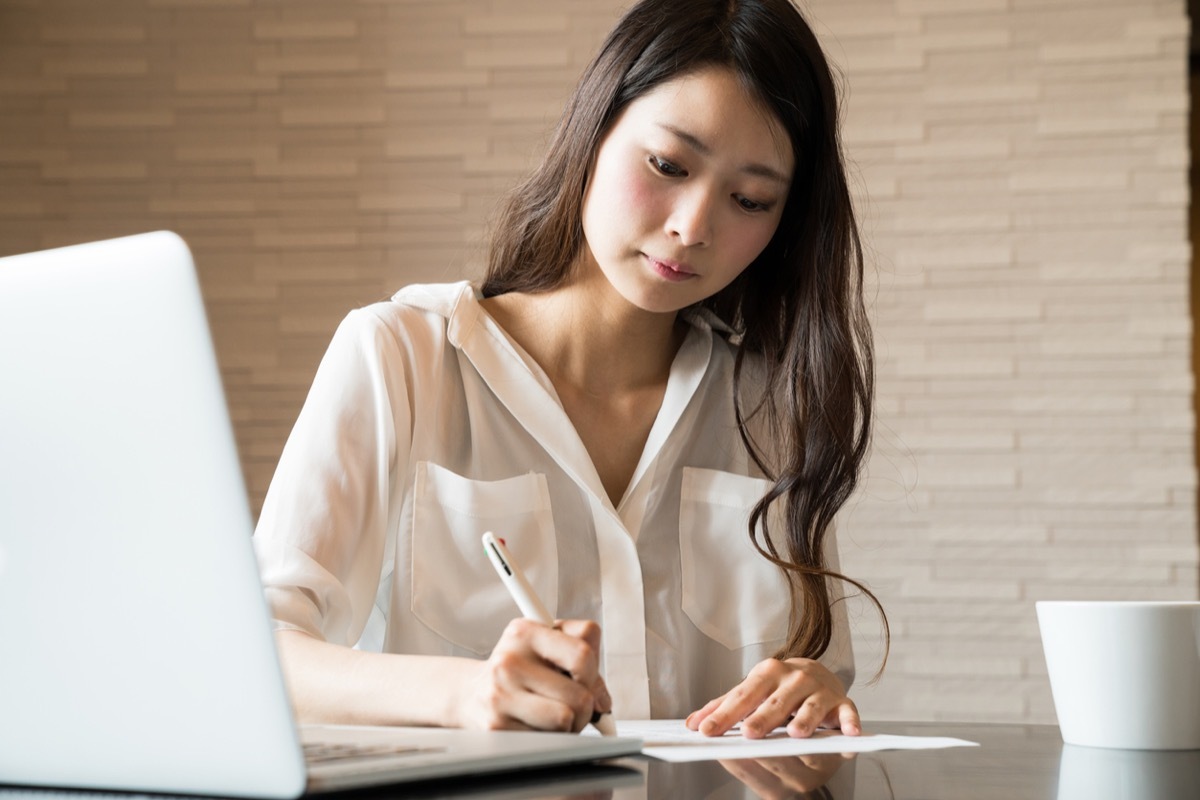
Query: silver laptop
(135, 644)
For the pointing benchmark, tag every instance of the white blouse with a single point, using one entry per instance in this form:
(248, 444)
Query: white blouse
(426, 426)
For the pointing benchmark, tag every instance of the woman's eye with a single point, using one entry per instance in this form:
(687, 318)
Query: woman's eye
(666, 167)
(751, 205)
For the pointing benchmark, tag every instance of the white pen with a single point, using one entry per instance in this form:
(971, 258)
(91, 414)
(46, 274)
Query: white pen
(531, 607)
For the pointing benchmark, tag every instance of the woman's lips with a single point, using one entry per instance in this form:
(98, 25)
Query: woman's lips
(671, 270)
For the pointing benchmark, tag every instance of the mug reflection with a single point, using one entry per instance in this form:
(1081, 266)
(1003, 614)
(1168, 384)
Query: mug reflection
(1097, 773)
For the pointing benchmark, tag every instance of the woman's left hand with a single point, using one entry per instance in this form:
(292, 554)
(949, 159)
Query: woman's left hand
(799, 689)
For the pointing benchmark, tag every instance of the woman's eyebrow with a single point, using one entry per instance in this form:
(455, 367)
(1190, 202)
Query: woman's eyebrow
(761, 170)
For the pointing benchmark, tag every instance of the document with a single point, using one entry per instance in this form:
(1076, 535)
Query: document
(670, 740)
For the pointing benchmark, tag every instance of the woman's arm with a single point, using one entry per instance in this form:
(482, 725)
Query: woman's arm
(332, 684)
(521, 686)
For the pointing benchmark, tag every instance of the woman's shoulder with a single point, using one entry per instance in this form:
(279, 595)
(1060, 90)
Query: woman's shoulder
(419, 306)
(441, 299)
(415, 320)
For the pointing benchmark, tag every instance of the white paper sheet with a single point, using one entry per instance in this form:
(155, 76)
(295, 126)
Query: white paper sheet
(670, 740)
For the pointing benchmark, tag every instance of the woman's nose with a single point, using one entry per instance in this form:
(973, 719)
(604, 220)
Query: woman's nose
(691, 218)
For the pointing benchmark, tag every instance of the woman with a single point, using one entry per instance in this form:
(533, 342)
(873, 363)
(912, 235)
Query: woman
(660, 396)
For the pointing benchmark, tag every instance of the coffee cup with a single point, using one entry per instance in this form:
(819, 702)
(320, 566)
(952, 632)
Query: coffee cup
(1124, 674)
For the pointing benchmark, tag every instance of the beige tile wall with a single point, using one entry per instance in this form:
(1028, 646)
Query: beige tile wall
(1021, 166)
(1025, 174)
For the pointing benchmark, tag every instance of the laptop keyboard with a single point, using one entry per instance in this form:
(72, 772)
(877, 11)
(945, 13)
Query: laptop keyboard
(326, 752)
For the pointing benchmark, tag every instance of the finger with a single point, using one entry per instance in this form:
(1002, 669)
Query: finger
(589, 633)
(541, 713)
(551, 684)
(815, 708)
(603, 700)
(772, 713)
(583, 629)
(735, 706)
(572, 654)
(847, 718)
(696, 717)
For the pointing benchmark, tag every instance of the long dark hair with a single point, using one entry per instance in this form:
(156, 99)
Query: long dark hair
(797, 308)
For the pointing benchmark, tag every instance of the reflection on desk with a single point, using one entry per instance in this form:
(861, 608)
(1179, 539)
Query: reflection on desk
(1013, 762)
(1023, 761)
(579, 781)
(1092, 773)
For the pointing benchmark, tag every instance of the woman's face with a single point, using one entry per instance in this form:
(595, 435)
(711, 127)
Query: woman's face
(687, 189)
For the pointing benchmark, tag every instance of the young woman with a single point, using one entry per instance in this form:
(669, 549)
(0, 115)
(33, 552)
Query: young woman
(660, 397)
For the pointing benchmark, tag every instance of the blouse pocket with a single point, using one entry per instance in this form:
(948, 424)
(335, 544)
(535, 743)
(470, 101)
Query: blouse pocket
(730, 591)
(455, 590)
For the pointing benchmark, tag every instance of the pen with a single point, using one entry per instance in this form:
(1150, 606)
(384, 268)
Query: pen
(531, 607)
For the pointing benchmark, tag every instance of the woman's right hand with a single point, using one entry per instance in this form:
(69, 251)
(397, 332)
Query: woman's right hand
(537, 678)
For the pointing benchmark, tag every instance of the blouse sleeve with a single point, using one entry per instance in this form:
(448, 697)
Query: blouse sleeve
(321, 537)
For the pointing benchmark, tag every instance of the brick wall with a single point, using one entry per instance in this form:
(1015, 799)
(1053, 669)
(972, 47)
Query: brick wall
(1022, 170)
(1025, 172)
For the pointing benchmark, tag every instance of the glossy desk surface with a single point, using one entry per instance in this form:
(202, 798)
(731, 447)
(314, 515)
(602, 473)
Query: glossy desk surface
(1013, 762)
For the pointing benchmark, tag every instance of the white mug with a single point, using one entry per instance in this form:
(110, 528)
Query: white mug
(1124, 674)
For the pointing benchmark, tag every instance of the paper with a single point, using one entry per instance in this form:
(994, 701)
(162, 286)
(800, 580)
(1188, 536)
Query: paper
(670, 740)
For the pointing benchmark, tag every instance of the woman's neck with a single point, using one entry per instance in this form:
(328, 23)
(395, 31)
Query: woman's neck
(586, 336)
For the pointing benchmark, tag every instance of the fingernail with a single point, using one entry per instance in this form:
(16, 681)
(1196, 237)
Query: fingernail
(596, 715)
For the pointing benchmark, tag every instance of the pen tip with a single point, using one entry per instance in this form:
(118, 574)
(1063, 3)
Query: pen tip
(605, 724)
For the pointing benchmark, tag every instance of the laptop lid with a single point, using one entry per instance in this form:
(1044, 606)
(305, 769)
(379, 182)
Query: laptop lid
(134, 634)
(135, 643)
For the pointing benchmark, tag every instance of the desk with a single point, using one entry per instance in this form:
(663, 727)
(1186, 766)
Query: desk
(1014, 762)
